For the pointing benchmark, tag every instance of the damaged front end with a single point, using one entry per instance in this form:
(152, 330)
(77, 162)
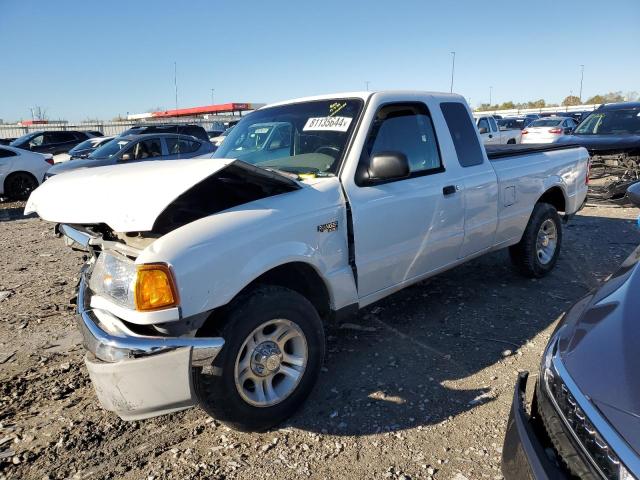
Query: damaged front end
(612, 173)
(141, 350)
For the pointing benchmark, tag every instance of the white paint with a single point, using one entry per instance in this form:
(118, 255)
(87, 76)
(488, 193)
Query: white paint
(23, 161)
(127, 197)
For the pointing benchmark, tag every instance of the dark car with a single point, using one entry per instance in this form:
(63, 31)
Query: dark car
(6, 141)
(585, 414)
(181, 129)
(84, 149)
(611, 134)
(50, 141)
(136, 148)
(512, 123)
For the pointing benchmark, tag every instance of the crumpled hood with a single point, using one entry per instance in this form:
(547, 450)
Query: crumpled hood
(126, 197)
(600, 350)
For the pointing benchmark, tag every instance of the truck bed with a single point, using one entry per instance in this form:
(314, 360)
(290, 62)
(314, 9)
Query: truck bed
(500, 152)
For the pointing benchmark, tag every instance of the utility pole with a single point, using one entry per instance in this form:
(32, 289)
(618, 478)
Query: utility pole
(490, 93)
(453, 69)
(581, 78)
(175, 80)
(212, 90)
(366, 84)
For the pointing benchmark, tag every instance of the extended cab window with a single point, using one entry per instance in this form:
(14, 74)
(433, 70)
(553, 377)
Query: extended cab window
(463, 133)
(406, 128)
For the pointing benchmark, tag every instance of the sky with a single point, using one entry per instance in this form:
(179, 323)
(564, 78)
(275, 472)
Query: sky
(96, 59)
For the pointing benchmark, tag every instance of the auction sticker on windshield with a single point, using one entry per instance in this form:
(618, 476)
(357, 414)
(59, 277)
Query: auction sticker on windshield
(334, 124)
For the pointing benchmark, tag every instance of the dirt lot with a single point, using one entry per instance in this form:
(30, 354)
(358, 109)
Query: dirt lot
(416, 386)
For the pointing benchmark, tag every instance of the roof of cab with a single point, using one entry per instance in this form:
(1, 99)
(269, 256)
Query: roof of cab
(365, 96)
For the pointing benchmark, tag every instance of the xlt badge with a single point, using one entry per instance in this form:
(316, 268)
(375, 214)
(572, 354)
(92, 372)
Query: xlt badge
(328, 227)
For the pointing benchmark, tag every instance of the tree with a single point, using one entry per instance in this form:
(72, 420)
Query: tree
(611, 97)
(507, 105)
(570, 101)
(632, 96)
(536, 103)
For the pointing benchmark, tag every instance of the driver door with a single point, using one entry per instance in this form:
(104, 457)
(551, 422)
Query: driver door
(407, 227)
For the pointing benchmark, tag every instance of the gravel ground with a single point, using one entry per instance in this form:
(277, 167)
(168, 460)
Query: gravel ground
(418, 385)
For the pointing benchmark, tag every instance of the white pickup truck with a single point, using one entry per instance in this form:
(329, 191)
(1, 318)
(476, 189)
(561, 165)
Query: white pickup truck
(491, 133)
(209, 279)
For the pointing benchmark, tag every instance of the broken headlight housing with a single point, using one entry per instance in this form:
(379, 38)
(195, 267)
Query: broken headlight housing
(114, 276)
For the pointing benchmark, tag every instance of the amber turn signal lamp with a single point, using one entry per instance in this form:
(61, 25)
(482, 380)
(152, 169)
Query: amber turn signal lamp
(155, 288)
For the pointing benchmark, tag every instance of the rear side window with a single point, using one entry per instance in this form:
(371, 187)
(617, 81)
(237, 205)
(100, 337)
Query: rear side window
(494, 127)
(463, 133)
(179, 145)
(4, 153)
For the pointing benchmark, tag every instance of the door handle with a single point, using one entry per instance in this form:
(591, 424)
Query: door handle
(449, 190)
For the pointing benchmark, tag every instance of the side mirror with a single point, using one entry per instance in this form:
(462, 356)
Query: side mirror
(125, 157)
(483, 130)
(388, 166)
(633, 192)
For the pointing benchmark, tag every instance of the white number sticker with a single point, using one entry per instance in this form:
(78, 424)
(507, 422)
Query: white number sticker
(335, 124)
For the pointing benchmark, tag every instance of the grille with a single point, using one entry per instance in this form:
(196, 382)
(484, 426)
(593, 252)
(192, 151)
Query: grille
(586, 434)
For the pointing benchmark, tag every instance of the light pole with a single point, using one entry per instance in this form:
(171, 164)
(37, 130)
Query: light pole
(366, 84)
(581, 78)
(175, 80)
(212, 90)
(490, 92)
(453, 69)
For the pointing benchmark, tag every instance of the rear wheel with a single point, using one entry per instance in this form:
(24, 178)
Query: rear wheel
(537, 253)
(19, 185)
(273, 352)
(511, 141)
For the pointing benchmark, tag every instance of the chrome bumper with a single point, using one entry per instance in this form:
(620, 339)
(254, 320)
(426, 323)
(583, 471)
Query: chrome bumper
(141, 376)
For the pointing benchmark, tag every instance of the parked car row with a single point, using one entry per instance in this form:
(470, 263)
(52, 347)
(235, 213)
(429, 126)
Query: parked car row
(72, 150)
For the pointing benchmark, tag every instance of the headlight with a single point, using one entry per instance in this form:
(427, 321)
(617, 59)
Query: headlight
(141, 287)
(114, 276)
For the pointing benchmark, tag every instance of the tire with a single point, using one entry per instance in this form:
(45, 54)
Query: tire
(535, 256)
(511, 141)
(221, 390)
(19, 185)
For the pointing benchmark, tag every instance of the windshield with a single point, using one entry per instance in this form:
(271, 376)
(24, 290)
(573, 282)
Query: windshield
(110, 148)
(301, 138)
(611, 122)
(91, 143)
(546, 123)
(24, 139)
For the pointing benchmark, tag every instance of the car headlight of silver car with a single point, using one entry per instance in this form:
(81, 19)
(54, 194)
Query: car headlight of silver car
(114, 276)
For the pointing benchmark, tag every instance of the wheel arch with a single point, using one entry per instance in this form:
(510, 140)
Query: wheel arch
(299, 276)
(556, 197)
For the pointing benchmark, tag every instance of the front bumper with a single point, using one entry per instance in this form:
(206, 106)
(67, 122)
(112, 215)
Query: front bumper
(139, 376)
(523, 453)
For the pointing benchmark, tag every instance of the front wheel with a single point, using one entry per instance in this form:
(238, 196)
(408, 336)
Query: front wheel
(273, 352)
(537, 253)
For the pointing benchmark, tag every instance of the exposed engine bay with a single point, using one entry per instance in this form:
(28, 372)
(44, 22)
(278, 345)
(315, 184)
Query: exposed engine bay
(612, 174)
